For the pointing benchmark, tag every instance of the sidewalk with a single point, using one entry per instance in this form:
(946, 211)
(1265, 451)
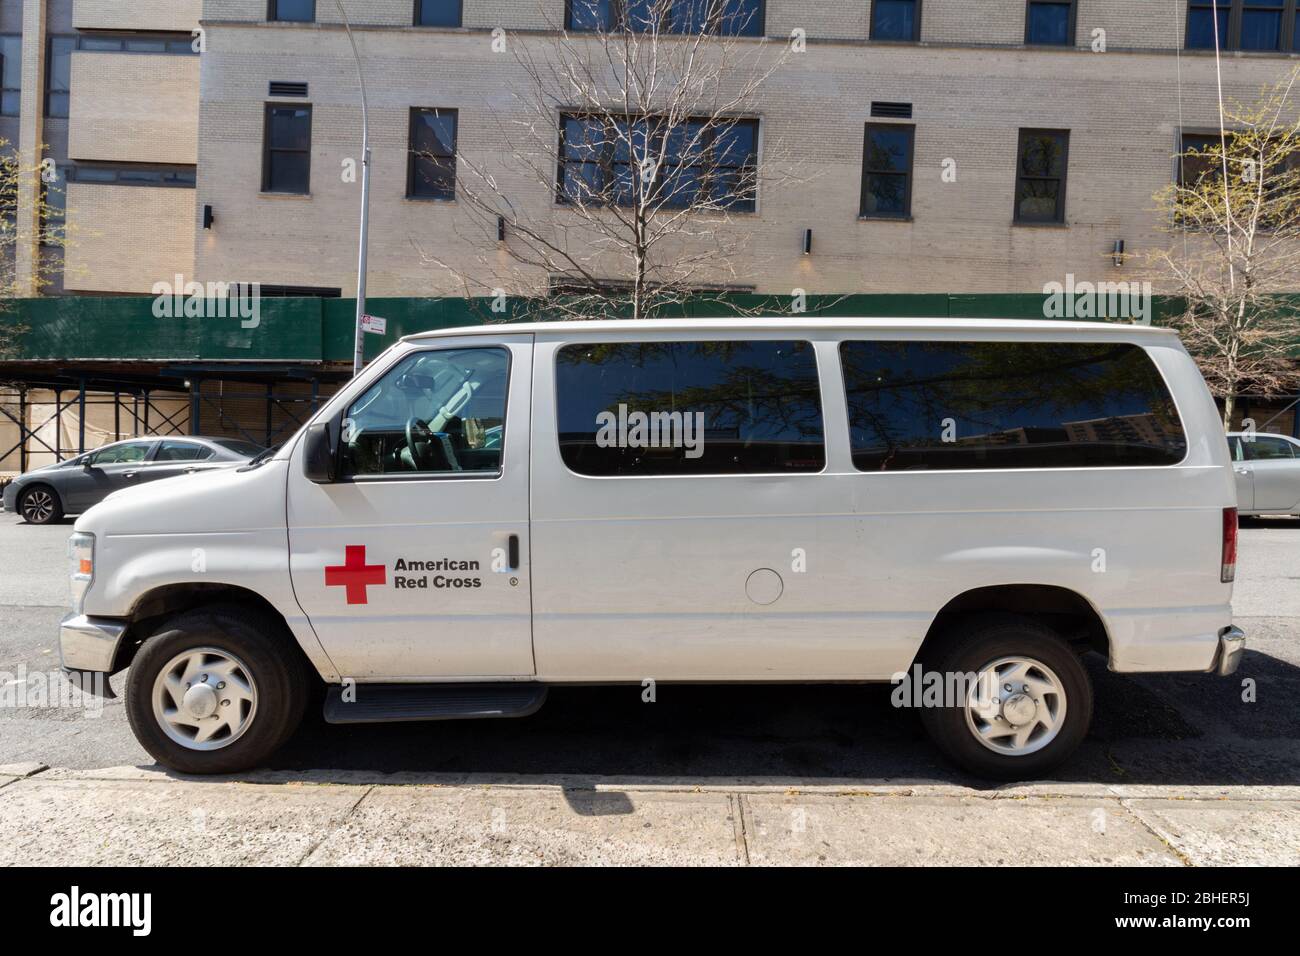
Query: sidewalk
(133, 816)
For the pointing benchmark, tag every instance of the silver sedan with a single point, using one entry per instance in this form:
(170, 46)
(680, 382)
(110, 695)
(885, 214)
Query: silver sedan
(1267, 469)
(45, 495)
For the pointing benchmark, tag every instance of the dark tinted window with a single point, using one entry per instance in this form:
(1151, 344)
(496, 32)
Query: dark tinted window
(1049, 23)
(59, 75)
(432, 170)
(954, 405)
(1042, 159)
(437, 13)
(1200, 24)
(182, 451)
(287, 161)
(303, 11)
(11, 66)
(726, 17)
(1261, 24)
(887, 171)
(683, 408)
(705, 163)
(895, 20)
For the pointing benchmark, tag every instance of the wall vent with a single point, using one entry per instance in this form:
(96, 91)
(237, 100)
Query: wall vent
(892, 110)
(281, 88)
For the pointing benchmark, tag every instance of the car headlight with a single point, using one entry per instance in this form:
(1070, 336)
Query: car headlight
(81, 551)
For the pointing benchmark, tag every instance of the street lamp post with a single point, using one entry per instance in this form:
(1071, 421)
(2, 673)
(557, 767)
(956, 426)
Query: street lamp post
(358, 353)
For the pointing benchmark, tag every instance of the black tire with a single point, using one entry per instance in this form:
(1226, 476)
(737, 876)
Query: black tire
(40, 504)
(971, 648)
(272, 659)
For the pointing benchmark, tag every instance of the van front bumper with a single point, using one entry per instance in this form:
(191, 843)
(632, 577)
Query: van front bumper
(1232, 644)
(89, 643)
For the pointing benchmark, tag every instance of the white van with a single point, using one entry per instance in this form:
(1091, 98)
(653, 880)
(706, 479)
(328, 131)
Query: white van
(485, 512)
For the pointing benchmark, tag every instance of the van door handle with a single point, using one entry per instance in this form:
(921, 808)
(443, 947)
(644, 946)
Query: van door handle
(513, 557)
(129, 474)
(1242, 471)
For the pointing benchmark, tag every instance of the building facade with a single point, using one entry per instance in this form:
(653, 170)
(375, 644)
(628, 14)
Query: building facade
(164, 154)
(953, 88)
(107, 93)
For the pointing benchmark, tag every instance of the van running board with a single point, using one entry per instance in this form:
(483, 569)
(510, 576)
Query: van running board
(382, 703)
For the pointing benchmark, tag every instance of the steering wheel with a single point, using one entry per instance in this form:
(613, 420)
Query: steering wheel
(417, 430)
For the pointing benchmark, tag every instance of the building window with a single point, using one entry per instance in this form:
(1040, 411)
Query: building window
(1041, 162)
(286, 161)
(130, 174)
(1243, 24)
(431, 169)
(54, 207)
(175, 44)
(887, 171)
(1049, 24)
(1201, 157)
(11, 66)
(932, 405)
(58, 75)
(631, 409)
(438, 13)
(896, 20)
(295, 11)
(703, 163)
(726, 17)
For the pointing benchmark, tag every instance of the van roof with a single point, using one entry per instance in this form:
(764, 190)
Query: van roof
(779, 322)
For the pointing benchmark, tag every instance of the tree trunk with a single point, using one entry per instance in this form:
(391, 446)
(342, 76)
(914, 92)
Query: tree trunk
(1229, 404)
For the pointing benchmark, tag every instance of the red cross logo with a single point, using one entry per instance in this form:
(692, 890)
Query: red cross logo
(354, 574)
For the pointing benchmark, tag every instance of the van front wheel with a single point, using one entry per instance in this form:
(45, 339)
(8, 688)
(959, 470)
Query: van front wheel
(1023, 703)
(214, 691)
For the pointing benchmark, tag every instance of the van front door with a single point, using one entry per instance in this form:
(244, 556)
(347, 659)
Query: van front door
(412, 565)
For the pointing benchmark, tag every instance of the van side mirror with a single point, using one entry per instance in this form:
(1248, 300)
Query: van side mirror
(318, 454)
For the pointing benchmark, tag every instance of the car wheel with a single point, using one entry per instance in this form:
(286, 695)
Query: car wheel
(40, 505)
(214, 691)
(1024, 704)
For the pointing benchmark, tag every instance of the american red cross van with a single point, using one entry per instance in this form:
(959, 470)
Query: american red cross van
(486, 512)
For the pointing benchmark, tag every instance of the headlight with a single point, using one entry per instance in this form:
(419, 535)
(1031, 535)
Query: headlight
(81, 551)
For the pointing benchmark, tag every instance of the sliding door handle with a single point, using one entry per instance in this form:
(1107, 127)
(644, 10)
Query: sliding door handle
(513, 555)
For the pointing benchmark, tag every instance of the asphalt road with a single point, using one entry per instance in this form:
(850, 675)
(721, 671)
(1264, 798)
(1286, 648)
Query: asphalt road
(1165, 729)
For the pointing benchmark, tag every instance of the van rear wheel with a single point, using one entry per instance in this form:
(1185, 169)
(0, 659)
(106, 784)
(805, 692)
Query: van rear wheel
(216, 690)
(1024, 705)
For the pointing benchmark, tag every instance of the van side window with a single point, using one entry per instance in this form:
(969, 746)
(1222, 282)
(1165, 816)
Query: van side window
(437, 412)
(979, 405)
(1268, 449)
(689, 408)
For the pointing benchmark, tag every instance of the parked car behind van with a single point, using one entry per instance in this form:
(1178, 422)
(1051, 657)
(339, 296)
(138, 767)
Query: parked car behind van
(487, 512)
(1267, 469)
(44, 495)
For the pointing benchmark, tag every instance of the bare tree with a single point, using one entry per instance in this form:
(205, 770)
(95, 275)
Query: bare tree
(1234, 215)
(639, 132)
(17, 177)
